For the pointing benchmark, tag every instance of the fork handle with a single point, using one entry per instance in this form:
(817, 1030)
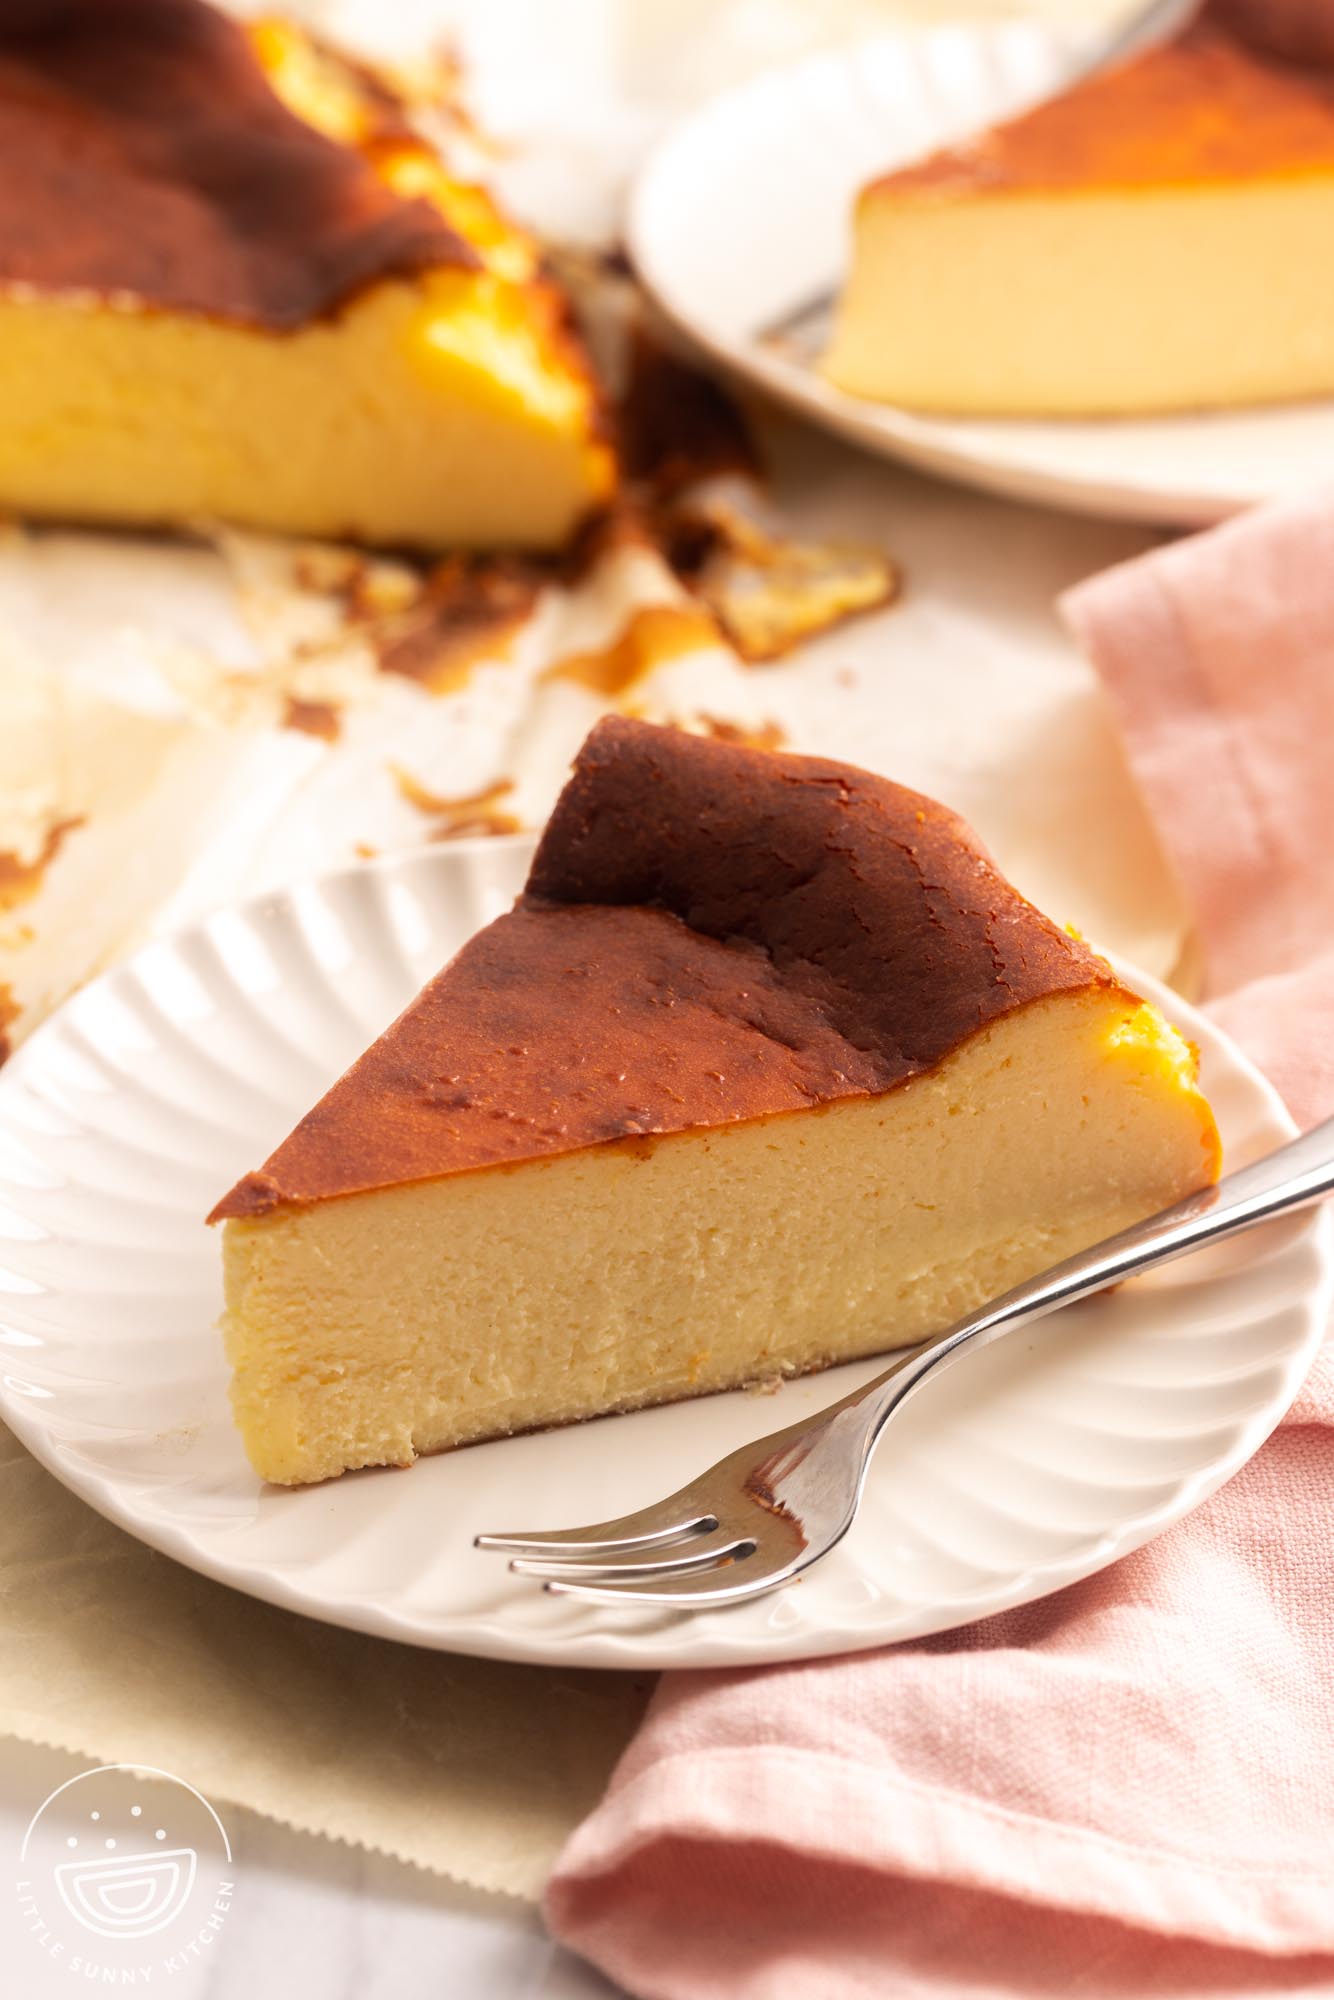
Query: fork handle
(1294, 1175)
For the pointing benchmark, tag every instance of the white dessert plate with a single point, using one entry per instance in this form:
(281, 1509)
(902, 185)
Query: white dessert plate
(124, 1117)
(742, 214)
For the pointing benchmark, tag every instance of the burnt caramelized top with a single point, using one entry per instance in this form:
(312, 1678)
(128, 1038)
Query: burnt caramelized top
(144, 154)
(1202, 108)
(709, 934)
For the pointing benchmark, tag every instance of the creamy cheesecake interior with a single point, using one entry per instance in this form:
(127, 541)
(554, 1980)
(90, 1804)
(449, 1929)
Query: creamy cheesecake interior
(425, 414)
(371, 1328)
(1102, 305)
(236, 282)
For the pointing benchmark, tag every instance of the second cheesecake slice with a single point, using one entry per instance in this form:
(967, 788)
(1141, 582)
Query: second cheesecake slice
(1154, 239)
(767, 1068)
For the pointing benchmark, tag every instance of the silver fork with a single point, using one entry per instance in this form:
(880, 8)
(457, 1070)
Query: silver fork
(765, 1513)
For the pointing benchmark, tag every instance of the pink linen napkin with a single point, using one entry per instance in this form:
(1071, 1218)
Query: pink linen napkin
(1128, 1789)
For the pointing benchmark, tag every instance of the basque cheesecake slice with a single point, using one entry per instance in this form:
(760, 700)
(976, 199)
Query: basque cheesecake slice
(1156, 239)
(767, 1068)
(235, 283)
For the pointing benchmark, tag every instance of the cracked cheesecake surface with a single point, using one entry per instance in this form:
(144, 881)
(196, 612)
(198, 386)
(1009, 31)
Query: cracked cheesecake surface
(144, 153)
(708, 934)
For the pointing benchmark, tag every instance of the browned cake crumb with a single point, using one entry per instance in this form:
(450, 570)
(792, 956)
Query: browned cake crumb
(470, 609)
(752, 736)
(313, 718)
(676, 425)
(429, 623)
(20, 880)
(9, 1013)
(651, 636)
(485, 823)
(477, 813)
(770, 593)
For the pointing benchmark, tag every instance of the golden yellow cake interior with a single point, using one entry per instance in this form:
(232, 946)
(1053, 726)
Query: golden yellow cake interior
(328, 333)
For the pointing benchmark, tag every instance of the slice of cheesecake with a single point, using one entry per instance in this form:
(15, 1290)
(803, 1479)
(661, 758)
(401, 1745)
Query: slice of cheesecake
(767, 1068)
(234, 283)
(1156, 239)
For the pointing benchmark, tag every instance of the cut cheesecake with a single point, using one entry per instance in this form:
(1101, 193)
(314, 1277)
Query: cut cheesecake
(767, 1068)
(235, 284)
(1156, 239)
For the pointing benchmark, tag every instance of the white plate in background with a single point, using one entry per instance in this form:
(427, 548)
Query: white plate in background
(743, 213)
(128, 1113)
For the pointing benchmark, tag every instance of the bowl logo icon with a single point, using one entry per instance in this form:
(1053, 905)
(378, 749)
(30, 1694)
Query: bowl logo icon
(124, 1870)
(130, 1896)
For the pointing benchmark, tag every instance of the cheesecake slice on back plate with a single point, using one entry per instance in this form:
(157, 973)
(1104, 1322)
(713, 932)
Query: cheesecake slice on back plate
(235, 283)
(1158, 238)
(767, 1068)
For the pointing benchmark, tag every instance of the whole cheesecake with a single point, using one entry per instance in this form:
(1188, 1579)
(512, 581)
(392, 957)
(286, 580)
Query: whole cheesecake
(1155, 239)
(767, 1068)
(235, 284)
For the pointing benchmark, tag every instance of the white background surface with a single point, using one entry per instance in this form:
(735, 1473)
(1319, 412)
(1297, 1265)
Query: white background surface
(311, 1917)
